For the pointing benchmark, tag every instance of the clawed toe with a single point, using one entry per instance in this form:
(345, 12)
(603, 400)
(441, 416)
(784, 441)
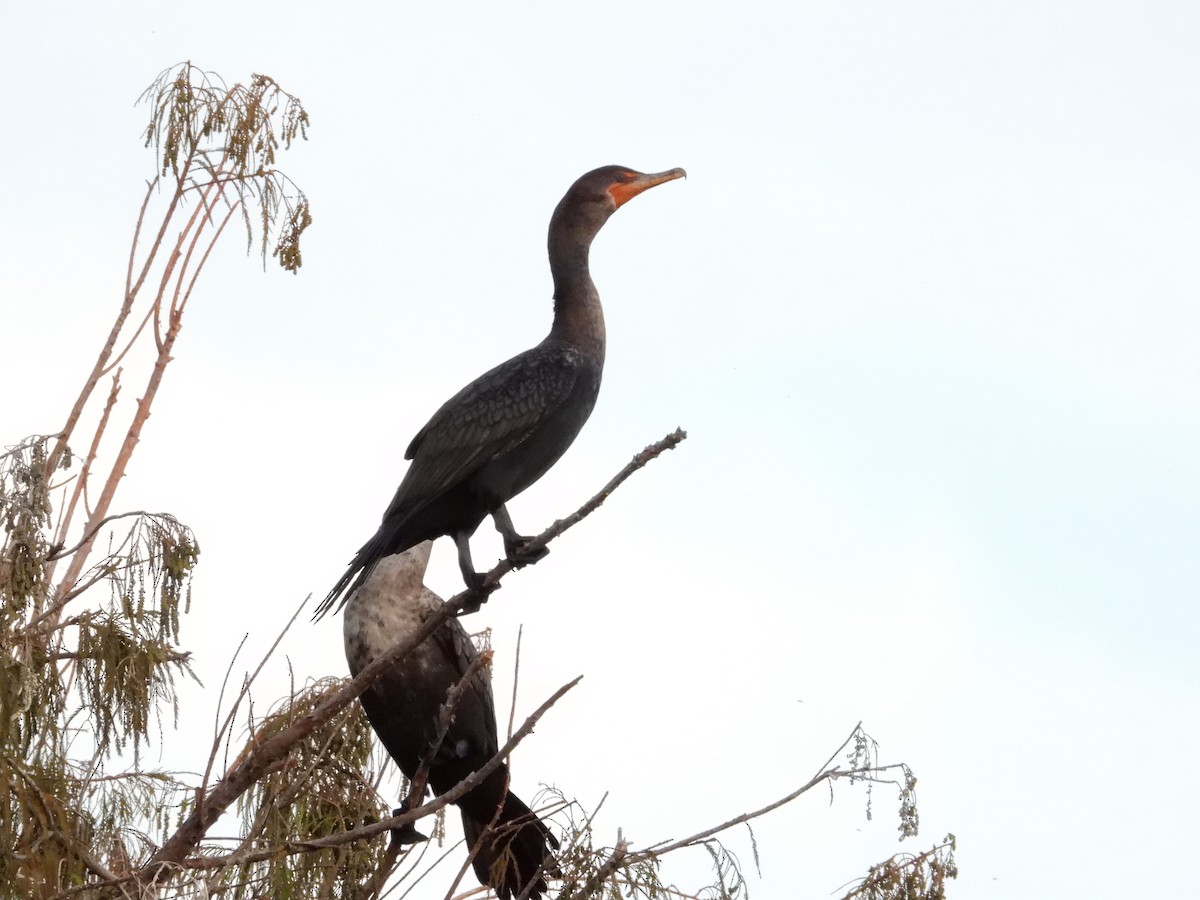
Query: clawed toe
(479, 596)
(519, 556)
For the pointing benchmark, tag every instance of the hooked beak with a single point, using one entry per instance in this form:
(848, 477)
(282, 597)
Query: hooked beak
(626, 191)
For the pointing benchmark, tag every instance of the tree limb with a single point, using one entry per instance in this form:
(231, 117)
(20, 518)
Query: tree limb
(77, 492)
(155, 868)
(257, 761)
(825, 774)
(479, 595)
(59, 552)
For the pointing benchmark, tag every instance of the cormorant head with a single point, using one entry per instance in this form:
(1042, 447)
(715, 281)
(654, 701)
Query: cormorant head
(594, 197)
(616, 185)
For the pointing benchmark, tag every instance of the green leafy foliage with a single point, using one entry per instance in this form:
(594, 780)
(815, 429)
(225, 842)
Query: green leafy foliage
(318, 792)
(75, 688)
(25, 509)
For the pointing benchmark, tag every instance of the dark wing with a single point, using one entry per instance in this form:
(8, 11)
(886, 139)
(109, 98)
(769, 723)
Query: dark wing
(476, 721)
(488, 418)
(404, 706)
(456, 643)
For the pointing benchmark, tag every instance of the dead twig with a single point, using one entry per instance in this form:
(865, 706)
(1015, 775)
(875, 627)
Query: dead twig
(825, 774)
(491, 581)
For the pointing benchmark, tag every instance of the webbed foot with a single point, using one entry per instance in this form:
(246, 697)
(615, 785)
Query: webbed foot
(519, 556)
(406, 834)
(515, 544)
(480, 594)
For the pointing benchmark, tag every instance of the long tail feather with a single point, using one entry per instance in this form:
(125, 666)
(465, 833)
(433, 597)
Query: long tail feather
(513, 850)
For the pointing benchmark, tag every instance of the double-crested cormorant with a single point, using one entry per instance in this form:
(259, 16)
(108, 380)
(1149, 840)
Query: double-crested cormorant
(503, 431)
(404, 705)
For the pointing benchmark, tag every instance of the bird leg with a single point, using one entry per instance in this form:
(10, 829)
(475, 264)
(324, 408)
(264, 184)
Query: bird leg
(408, 834)
(473, 579)
(514, 544)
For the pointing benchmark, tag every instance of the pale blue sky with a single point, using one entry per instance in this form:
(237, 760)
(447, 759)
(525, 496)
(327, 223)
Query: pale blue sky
(927, 306)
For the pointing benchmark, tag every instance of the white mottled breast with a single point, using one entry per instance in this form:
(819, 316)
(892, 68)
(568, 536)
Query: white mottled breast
(389, 604)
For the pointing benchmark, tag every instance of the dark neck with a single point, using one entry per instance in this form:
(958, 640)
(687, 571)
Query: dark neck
(578, 316)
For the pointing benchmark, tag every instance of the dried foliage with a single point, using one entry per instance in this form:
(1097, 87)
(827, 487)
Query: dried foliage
(910, 877)
(207, 134)
(865, 767)
(318, 791)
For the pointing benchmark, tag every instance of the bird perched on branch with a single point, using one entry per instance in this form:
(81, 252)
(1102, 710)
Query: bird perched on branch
(434, 707)
(504, 431)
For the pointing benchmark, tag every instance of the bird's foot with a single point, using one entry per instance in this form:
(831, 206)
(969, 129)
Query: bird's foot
(515, 544)
(406, 834)
(479, 595)
(521, 557)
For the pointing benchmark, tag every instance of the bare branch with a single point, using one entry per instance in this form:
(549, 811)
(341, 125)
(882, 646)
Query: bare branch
(652, 452)
(64, 523)
(491, 581)
(512, 709)
(242, 693)
(825, 774)
(59, 553)
(114, 333)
